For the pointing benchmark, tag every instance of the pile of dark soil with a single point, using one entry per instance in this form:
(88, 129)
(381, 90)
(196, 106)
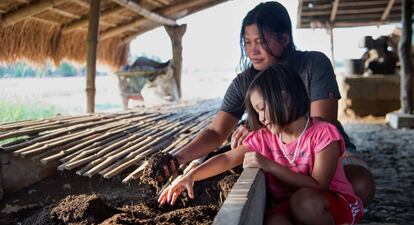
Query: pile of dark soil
(71, 199)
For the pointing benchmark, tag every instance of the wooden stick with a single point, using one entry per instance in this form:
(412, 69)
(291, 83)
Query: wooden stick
(87, 167)
(136, 173)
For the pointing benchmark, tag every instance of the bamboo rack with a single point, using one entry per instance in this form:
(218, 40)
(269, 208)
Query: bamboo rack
(107, 144)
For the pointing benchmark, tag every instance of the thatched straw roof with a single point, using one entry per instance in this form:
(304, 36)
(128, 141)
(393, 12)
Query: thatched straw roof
(347, 13)
(41, 30)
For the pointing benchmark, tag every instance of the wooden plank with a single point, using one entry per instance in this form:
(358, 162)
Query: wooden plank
(135, 7)
(334, 10)
(29, 10)
(246, 202)
(92, 48)
(363, 3)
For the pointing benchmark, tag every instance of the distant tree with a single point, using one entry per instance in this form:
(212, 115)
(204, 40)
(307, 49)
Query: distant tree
(2, 72)
(66, 70)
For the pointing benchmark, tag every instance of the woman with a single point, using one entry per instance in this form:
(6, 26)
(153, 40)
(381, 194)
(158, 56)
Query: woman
(266, 39)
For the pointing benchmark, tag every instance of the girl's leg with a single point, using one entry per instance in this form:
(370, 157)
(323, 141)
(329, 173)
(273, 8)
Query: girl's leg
(309, 206)
(359, 174)
(277, 219)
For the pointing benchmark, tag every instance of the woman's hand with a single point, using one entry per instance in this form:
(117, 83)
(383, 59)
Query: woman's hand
(238, 136)
(181, 183)
(256, 160)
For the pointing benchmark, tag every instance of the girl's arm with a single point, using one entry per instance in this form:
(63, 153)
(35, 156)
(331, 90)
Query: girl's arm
(211, 167)
(324, 168)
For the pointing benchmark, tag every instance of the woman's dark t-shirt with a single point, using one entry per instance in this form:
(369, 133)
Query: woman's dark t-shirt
(316, 72)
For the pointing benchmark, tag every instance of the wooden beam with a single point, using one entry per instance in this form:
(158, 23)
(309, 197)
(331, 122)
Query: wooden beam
(81, 3)
(405, 57)
(64, 13)
(176, 10)
(45, 21)
(176, 34)
(122, 16)
(360, 11)
(164, 2)
(92, 49)
(387, 10)
(107, 24)
(83, 22)
(334, 10)
(129, 38)
(355, 24)
(135, 7)
(28, 10)
(363, 3)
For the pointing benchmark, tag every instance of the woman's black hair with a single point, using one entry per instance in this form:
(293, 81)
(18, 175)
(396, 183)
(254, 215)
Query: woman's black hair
(270, 17)
(284, 95)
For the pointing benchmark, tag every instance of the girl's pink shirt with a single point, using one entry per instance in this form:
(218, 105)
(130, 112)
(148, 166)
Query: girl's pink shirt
(319, 135)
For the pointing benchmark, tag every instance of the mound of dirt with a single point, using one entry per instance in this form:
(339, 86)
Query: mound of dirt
(142, 214)
(74, 209)
(82, 209)
(152, 174)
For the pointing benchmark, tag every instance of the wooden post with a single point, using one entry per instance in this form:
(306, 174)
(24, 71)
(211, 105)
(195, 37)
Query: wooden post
(176, 34)
(1, 178)
(92, 48)
(331, 33)
(405, 58)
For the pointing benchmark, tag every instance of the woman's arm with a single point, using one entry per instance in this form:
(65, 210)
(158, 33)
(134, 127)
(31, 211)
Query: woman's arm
(211, 167)
(209, 139)
(326, 109)
(324, 168)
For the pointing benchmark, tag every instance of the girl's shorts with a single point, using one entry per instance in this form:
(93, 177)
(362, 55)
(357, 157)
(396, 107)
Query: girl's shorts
(344, 210)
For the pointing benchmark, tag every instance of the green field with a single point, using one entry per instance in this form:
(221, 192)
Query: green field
(17, 111)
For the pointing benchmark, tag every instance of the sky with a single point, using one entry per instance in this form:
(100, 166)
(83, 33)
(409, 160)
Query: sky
(211, 42)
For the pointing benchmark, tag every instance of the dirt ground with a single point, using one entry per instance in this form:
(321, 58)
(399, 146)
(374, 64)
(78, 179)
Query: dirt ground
(71, 199)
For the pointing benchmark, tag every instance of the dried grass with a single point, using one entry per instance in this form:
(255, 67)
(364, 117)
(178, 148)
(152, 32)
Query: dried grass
(38, 42)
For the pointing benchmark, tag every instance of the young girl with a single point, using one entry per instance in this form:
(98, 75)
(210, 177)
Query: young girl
(300, 156)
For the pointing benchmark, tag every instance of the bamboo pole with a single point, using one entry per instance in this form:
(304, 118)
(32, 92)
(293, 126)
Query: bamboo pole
(135, 173)
(92, 48)
(135, 7)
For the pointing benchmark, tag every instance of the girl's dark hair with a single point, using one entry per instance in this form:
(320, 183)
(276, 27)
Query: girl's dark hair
(284, 96)
(270, 17)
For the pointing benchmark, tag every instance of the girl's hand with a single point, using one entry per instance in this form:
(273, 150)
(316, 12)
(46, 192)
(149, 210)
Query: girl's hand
(181, 183)
(238, 136)
(256, 160)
